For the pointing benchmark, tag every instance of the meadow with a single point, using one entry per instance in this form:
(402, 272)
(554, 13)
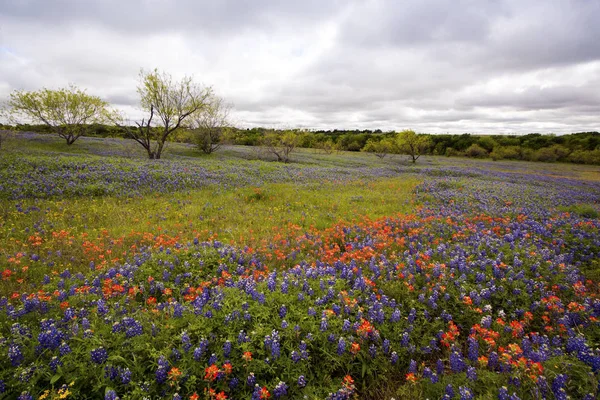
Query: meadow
(336, 276)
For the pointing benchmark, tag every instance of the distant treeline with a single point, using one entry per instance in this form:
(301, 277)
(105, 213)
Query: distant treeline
(582, 147)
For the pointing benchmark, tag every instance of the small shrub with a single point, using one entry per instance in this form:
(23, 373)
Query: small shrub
(476, 151)
(507, 153)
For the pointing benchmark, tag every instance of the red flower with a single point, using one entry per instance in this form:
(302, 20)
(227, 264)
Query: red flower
(211, 372)
(227, 368)
(264, 393)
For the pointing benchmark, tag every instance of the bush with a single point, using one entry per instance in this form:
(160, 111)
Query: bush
(507, 153)
(487, 143)
(585, 157)
(476, 151)
(451, 152)
(550, 154)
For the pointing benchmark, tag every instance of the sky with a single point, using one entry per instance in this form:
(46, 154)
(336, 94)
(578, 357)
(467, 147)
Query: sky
(439, 66)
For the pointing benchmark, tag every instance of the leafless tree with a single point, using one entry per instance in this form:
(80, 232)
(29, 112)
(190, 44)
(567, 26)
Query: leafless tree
(210, 123)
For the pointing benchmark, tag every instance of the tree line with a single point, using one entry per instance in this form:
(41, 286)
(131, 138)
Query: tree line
(183, 111)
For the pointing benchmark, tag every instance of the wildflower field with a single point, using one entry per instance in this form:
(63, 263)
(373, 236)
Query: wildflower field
(336, 276)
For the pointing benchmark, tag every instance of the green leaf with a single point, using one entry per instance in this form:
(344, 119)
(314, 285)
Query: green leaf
(55, 378)
(116, 358)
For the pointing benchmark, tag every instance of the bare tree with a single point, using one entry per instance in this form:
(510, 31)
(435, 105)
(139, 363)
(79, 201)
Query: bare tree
(169, 104)
(67, 111)
(209, 124)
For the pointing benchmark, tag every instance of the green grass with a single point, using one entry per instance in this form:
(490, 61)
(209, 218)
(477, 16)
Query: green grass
(245, 216)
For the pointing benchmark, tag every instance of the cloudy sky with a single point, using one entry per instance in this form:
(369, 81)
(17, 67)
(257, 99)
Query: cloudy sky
(484, 66)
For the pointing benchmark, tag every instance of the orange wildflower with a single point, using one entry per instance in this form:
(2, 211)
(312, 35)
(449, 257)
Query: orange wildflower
(174, 373)
(211, 372)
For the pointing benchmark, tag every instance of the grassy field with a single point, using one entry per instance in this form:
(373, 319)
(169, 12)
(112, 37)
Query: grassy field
(334, 276)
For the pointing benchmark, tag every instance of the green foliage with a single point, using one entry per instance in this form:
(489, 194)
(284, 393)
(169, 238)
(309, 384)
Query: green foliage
(380, 148)
(413, 144)
(67, 111)
(172, 102)
(583, 210)
(585, 157)
(282, 144)
(507, 153)
(476, 151)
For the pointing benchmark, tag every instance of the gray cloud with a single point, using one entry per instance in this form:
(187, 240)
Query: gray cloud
(439, 65)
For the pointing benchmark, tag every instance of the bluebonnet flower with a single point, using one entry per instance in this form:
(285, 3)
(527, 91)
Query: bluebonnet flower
(558, 387)
(472, 373)
(465, 393)
(15, 354)
(295, 356)
(133, 327)
(226, 348)
(99, 355)
(212, 359)
(493, 360)
(234, 382)
(372, 351)
(323, 326)
(282, 311)
(125, 375)
(251, 380)
(111, 395)
(473, 352)
(449, 391)
(457, 363)
(102, 307)
(175, 354)
(185, 340)
(178, 309)
(341, 347)
(412, 367)
(54, 363)
(280, 390)
(162, 370)
(386, 346)
(439, 367)
(346, 325)
(301, 381)
(412, 315)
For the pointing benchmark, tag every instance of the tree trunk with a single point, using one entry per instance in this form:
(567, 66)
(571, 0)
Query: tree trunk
(159, 150)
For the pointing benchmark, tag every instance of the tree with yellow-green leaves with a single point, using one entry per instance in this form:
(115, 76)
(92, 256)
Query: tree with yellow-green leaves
(413, 144)
(282, 143)
(67, 111)
(170, 105)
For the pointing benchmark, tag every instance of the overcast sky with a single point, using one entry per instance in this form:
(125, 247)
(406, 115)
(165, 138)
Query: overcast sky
(433, 66)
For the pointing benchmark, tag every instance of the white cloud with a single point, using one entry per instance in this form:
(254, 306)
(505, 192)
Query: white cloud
(436, 66)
